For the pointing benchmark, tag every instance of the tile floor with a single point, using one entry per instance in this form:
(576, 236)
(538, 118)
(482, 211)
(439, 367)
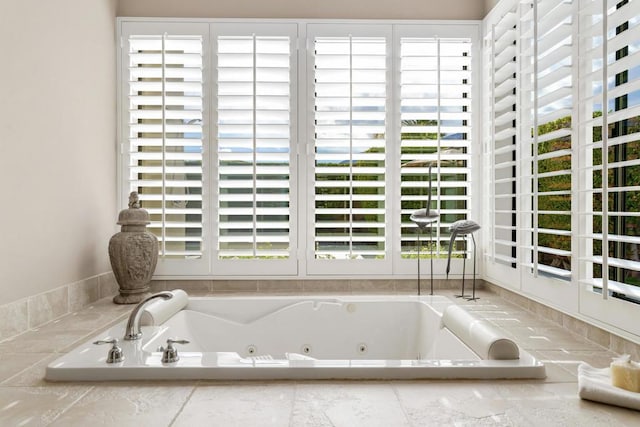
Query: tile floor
(26, 399)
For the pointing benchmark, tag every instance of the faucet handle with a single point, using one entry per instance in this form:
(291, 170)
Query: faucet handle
(170, 354)
(115, 352)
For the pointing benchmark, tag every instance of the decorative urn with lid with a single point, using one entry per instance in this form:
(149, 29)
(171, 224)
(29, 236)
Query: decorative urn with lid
(133, 253)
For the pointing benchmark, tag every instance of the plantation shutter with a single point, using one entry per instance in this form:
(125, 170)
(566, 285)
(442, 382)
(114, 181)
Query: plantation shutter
(254, 131)
(611, 37)
(435, 129)
(350, 145)
(547, 185)
(502, 135)
(164, 136)
(209, 124)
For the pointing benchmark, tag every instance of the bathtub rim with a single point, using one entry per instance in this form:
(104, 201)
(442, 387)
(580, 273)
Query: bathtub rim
(527, 367)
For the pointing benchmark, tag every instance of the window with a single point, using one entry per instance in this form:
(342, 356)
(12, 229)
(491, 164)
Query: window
(576, 154)
(350, 146)
(501, 44)
(547, 132)
(275, 148)
(435, 128)
(612, 130)
(254, 109)
(163, 147)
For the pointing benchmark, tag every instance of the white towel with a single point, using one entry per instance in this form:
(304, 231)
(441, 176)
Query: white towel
(595, 384)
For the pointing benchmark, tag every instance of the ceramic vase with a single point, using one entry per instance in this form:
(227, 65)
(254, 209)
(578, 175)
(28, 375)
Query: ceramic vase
(133, 253)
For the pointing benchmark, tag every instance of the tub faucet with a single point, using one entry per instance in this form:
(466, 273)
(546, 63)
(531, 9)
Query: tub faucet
(133, 331)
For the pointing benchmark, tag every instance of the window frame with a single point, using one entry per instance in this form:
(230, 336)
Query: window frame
(579, 296)
(256, 267)
(393, 266)
(165, 266)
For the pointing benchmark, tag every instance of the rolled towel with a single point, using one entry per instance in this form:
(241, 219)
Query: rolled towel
(595, 384)
(483, 338)
(158, 311)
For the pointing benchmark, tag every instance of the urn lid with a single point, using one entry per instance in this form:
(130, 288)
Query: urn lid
(134, 215)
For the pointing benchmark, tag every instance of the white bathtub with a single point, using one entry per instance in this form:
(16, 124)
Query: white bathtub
(299, 338)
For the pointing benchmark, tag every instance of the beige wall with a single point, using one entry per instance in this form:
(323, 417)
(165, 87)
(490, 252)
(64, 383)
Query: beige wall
(57, 149)
(354, 9)
(488, 5)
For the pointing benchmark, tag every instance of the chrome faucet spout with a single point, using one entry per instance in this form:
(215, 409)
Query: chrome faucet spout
(133, 331)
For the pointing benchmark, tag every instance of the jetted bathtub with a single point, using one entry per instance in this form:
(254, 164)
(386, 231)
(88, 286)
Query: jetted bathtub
(350, 337)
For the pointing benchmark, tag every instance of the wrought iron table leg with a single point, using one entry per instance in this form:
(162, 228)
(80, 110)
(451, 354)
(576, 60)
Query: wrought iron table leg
(473, 294)
(464, 265)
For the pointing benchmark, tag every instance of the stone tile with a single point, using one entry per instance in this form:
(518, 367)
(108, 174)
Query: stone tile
(154, 286)
(107, 285)
(48, 306)
(559, 405)
(347, 404)
(511, 319)
(107, 306)
(234, 286)
(599, 336)
(456, 285)
(592, 333)
(570, 360)
(324, 286)
(14, 319)
(37, 406)
(407, 286)
(436, 403)
(192, 287)
(548, 338)
(33, 375)
(233, 404)
(279, 286)
(37, 341)
(127, 405)
(372, 286)
(26, 398)
(555, 370)
(88, 319)
(83, 293)
(484, 296)
(482, 305)
(12, 364)
(546, 312)
(622, 346)
(516, 299)
(99, 315)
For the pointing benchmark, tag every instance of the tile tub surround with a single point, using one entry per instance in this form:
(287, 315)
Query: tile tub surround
(29, 313)
(26, 398)
(592, 333)
(310, 286)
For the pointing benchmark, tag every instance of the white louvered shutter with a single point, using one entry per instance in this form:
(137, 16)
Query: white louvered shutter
(435, 128)
(503, 137)
(547, 133)
(350, 144)
(254, 111)
(611, 83)
(164, 136)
